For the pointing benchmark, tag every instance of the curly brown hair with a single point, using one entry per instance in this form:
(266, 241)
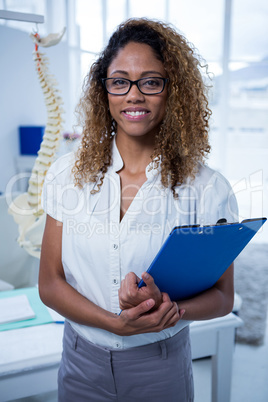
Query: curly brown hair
(182, 141)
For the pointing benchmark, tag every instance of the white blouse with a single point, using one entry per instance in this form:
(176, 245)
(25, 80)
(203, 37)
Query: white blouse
(98, 250)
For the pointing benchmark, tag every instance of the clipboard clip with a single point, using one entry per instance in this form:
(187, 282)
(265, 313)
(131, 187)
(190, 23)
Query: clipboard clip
(222, 221)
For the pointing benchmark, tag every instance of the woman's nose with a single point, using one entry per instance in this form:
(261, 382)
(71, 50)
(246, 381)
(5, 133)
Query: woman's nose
(134, 94)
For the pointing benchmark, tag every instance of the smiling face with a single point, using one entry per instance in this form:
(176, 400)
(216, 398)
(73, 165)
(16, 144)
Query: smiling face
(137, 114)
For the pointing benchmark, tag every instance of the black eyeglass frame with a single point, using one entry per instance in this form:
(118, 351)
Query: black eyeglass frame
(165, 80)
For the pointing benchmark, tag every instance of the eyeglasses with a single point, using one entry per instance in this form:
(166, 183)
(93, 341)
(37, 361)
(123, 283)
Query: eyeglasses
(147, 86)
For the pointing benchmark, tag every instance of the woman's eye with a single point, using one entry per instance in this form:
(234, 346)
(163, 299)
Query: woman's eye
(119, 83)
(151, 83)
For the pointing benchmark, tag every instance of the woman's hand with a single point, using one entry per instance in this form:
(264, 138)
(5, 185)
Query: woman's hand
(130, 295)
(142, 319)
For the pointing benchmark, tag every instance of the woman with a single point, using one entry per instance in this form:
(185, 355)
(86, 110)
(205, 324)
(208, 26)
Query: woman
(139, 172)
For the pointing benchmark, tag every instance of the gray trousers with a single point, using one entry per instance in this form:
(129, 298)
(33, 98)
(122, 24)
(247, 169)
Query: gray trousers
(159, 372)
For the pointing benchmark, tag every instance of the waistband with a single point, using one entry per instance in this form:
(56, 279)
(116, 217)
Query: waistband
(75, 341)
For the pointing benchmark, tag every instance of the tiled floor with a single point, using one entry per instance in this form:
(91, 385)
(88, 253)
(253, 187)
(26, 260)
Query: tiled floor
(250, 375)
(249, 382)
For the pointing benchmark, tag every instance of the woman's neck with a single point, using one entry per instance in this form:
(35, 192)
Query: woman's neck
(135, 151)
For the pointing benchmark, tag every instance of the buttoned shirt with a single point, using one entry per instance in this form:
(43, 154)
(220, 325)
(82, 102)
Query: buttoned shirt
(98, 249)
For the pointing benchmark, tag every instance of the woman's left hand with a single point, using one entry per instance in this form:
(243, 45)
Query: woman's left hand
(130, 295)
(143, 319)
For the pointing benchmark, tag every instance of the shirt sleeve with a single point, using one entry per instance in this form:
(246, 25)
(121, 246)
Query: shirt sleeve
(218, 201)
(58, 176)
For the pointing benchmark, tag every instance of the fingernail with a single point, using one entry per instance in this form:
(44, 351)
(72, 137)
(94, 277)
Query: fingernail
(146, 276)
(182, 312)
(150, 303)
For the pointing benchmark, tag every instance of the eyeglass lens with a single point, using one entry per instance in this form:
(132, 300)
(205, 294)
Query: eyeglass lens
(120, 86)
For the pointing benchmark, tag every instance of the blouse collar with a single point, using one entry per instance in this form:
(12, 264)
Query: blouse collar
(151, 170)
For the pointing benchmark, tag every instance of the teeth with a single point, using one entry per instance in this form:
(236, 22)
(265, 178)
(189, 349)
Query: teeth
(135, 113)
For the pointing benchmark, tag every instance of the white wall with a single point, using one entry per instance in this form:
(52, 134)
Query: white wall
(21, 99)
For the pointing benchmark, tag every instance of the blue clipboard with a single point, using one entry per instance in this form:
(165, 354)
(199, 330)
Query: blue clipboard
(193, 258)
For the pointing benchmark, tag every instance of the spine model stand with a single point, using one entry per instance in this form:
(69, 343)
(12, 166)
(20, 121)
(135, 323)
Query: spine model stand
(26, 208)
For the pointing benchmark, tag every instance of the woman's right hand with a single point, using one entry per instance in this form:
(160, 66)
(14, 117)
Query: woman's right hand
(130, 295)
(142, 319)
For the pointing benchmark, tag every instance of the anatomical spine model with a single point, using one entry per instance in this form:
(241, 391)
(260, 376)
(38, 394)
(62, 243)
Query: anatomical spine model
(26, 208)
